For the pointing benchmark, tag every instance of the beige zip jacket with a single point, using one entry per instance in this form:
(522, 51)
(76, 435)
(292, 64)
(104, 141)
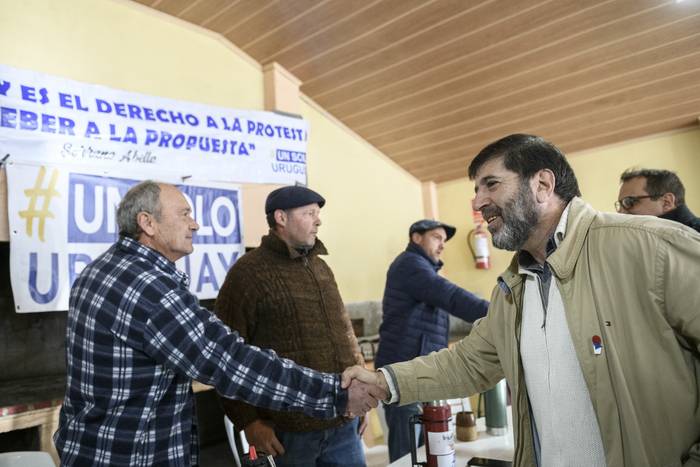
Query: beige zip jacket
(635, 282)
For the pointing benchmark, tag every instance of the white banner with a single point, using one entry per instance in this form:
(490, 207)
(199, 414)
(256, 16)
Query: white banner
(61, 220)
(52, 120)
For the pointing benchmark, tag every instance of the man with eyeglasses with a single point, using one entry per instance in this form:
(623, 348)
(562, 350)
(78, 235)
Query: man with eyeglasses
(657, 193)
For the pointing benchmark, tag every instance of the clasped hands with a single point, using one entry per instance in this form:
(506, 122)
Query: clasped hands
(365, 389)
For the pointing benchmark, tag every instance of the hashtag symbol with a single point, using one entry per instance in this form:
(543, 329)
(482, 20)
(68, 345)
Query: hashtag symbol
(34, 195)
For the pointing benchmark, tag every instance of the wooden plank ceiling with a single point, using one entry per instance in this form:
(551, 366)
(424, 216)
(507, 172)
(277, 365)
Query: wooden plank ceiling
(430, 82)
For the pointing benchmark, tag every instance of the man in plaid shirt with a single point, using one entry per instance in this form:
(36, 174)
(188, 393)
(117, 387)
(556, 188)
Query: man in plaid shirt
(136, 338)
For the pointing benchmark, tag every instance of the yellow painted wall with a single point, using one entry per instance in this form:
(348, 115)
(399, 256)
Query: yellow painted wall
(123, 45)
(598, 172)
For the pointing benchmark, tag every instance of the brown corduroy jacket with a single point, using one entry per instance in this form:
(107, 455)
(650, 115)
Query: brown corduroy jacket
(279, 299)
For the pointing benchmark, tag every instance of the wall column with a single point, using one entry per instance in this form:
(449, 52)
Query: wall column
(281, 89)
(282, 95)
(430, 202)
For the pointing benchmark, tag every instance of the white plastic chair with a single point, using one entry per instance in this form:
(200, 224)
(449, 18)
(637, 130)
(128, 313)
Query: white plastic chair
(26, 459)
(234, 435)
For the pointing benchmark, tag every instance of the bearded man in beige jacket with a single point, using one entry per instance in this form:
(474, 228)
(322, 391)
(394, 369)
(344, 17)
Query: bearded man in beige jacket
(595, 324)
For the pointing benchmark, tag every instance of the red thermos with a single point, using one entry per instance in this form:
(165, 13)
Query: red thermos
(439, 439)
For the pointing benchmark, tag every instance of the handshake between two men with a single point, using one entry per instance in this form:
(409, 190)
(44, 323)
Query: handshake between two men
(365, 389)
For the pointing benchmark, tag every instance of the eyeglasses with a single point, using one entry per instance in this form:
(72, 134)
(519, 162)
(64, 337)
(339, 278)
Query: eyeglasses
(628, 201)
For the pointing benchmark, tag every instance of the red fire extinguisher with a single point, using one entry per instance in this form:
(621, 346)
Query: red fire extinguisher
(439, 439)
(478, 242)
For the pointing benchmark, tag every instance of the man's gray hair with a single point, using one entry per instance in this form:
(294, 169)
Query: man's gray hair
(143, 197)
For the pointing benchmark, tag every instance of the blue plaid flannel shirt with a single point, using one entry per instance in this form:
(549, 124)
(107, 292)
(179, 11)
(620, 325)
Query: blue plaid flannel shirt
(136, 338)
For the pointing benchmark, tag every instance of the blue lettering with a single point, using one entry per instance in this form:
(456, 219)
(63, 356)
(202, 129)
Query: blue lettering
(66, 126)
(93, 204)
(162, 115)
(236, 125)
(47, 123)
(165, 138)
(178, 141)
(151, 136)
(28, 120)
(130, 136)
(73, 259)
(65, 100)
(227, 264)
(176, 117)
(8, 117)
(113, 132)
(206, 274)
(103, 106)
(187, 267)
(79, 105)
(290, 168)
(37, 296)
(134, 111)
(120, 109)
(191, 142)
(28, 93)
(92, 130)
(291, 156)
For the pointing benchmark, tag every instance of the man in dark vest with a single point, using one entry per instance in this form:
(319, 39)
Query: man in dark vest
(283, 296)
(417, 301)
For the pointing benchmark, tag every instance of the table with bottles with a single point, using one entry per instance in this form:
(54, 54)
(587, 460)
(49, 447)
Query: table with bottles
(486, 445)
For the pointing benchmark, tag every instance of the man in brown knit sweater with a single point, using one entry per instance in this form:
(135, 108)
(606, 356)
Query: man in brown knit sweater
(283, 296)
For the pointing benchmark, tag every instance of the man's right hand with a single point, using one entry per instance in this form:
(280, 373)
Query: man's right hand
(261, 434)
(375, 378)
(362, 396)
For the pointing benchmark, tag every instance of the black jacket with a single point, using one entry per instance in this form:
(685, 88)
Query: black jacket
(416, 305)
(683, 215)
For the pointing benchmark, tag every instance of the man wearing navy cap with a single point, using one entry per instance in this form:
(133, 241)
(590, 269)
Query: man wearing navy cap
(283, 296)
(417, 301)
